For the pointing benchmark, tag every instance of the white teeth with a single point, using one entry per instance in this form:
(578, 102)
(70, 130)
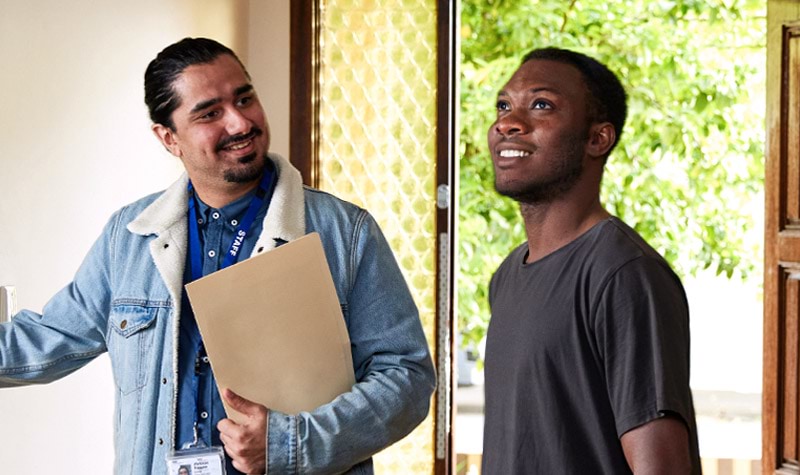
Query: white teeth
(513, 153)
(239, 146)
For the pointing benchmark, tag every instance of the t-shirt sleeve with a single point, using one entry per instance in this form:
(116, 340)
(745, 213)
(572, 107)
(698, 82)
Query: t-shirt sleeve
(642, 331)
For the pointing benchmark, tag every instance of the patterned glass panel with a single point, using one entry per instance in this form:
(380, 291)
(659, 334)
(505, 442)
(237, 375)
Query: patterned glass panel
(378, 148)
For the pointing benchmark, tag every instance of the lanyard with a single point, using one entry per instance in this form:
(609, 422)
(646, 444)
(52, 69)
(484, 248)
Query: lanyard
(263, 194)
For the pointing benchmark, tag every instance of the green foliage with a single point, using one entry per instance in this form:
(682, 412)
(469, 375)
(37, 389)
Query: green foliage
(690, 162)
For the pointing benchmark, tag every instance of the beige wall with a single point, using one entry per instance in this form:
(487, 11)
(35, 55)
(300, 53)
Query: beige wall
(75, 145)
(268, 64)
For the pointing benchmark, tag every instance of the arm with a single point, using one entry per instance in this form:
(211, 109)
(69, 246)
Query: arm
(658, 447)
(643, 336)
(70, 332)
(393, 368)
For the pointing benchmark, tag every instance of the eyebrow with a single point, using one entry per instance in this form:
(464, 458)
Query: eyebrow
(210, 102)
(533, 90)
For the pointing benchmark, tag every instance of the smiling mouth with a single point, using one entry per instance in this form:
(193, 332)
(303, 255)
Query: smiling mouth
(513, 153)
(239, 142)
(238, 146)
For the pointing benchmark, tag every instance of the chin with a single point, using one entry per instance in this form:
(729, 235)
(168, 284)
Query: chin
(249, 169)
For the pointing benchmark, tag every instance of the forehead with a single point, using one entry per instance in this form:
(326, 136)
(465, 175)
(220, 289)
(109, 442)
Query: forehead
(200, 82)
(560, 78)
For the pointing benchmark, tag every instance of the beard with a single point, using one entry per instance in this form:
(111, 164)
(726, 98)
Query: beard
(565, 168)
(250, 169)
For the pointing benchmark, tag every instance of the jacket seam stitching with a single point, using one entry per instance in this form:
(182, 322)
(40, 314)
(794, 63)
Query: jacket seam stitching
(354, 251)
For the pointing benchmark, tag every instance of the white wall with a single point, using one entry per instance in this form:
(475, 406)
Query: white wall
(268, 64)
(75, 145)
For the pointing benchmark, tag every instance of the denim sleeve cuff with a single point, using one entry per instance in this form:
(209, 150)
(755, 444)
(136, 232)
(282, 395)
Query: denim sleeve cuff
(281, 443)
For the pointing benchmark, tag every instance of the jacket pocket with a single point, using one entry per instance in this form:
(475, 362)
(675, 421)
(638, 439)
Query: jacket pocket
(130, 339)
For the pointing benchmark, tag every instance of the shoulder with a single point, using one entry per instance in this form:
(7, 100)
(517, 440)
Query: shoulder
(612, 260)
(316, 197)
(136, 209)
(324, 210)
(637, 278)
(617, 241)
(616, 247)
(129, 212)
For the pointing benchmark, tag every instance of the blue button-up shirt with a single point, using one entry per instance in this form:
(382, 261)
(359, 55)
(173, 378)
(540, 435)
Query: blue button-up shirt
(198, 396)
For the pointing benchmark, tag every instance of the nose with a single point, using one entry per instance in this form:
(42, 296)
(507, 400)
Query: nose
(510, 125)
(237, 122)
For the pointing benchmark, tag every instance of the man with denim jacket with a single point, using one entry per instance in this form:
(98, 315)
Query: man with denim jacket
(127, 298)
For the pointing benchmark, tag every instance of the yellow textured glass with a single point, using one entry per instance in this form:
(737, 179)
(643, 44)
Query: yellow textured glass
(378, 149)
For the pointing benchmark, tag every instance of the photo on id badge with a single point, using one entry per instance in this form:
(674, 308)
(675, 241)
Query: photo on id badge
(197, 462)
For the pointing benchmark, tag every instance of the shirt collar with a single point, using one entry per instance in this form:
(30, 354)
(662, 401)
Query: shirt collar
(233, 210)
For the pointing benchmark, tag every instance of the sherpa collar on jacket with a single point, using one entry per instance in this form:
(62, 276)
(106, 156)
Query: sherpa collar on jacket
(285, 219)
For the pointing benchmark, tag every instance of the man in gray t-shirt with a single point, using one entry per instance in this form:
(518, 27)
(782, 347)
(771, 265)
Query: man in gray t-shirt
(587, 353)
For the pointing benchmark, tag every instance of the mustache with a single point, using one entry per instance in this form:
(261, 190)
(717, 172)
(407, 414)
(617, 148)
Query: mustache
(254, 132)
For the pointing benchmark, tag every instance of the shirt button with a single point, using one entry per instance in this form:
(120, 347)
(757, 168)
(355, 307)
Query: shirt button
(234, 222)
(204, 415)
(212, 253)
(215, 215)
(205, 359)
(200, 221)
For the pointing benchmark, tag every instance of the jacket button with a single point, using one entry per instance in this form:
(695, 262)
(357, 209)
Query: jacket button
(160, 441)
(164, 381)
(123, 324)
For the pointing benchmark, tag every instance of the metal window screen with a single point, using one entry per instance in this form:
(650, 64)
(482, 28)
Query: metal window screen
(378, 148)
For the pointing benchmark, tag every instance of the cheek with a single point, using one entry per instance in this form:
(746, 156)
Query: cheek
(206, 139)
(256, 116)
(492, 134)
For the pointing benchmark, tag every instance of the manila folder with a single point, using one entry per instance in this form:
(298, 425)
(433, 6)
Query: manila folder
(273, 328)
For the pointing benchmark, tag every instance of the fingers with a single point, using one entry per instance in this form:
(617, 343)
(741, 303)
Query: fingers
(245, 442)
(247, 454)
(242, 405)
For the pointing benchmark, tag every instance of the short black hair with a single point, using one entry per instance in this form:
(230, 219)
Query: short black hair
(606, 94)
(161, 73)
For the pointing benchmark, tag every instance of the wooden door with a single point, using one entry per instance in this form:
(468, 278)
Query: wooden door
(781, 439)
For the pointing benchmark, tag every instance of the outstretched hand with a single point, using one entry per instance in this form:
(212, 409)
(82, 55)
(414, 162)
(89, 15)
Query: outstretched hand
(245, 443)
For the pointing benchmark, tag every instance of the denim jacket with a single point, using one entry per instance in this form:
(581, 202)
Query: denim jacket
(125, 299)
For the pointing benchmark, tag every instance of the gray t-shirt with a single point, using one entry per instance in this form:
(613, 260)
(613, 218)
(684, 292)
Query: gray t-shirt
(584, 345)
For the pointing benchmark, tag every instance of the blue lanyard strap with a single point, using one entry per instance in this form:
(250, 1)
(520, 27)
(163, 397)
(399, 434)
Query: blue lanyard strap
(263, 193)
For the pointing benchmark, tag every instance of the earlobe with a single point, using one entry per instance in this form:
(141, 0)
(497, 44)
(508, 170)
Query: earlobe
(166, 136)
(602, 138)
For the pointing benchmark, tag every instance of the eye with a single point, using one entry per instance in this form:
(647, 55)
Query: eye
(541, 105)
(503, 106)
(244, 101)
(212, 114)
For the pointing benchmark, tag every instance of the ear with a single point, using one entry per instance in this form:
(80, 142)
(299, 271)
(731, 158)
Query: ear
(602, 137)
(167, 138)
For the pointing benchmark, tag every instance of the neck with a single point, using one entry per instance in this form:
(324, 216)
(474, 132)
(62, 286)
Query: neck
(217, 196)
(550, 226)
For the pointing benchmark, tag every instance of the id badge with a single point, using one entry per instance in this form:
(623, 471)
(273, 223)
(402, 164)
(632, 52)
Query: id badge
(197, 461)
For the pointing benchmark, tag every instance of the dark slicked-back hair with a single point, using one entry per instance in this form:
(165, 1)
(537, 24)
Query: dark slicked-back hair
(161, 73)
(606, 94)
